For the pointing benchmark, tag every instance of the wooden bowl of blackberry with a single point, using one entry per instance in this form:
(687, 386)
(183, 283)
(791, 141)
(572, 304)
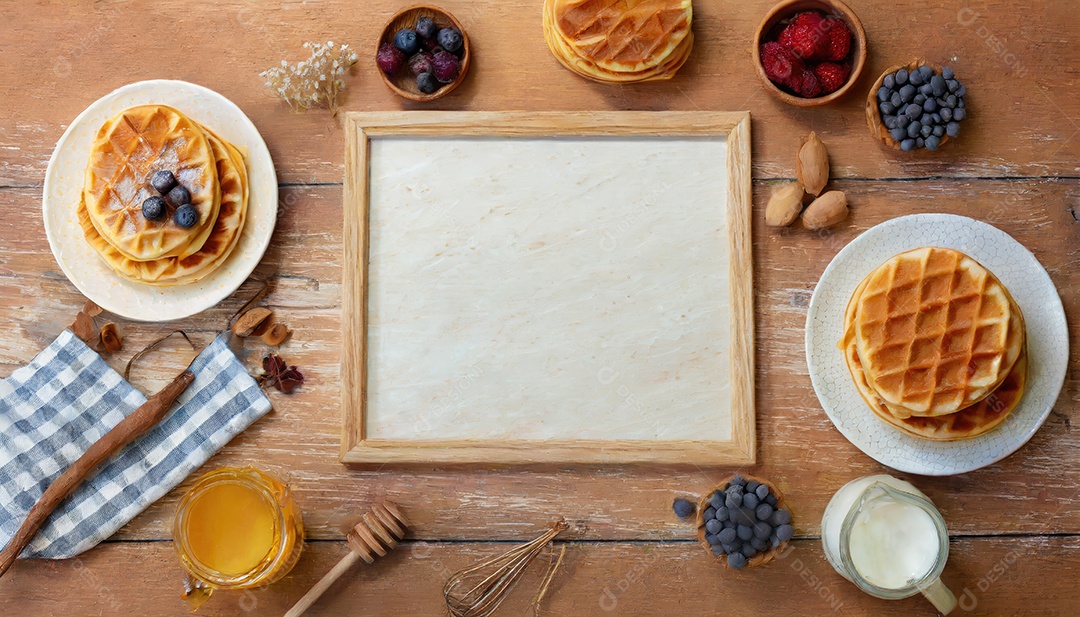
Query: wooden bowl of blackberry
(423, 53)
(744, 522)
(916, 107)
(809, 53)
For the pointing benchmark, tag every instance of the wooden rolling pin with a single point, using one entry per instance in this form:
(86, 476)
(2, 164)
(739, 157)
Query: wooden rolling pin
(378, 532)
(141, 420)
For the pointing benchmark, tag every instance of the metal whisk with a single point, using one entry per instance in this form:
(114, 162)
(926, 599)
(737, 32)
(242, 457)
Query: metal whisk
(479, 589)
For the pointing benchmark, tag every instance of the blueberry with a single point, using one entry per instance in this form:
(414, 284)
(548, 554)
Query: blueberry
(886, 107)
(929, 105)
(449, 39)
(785, 532)
(721, 514)
(913, 111)
(907, 145)
(727, 536)
(163, 181)
(153, 208)
(901, 121)
(770, 498)
(748, 550)
(960, 103)
(734, 500)
(913, 129)
(780, 517)
(728, 524)
(936, 117)
(407, 41)
(708, 514)
(950, 101)
(751, 485)
(959, 114)
(898, 133)
(926, 89)
(683, 508)
(947, 73)
(896, 100)
(961, 91)
(916, 78)
(425, 27)
(932, 142)
(952, 85)
(736, 560)
(426, 83)
(883, 94)
(889, 122)
(179, 196)
(937, 83)
(717, 500)
(946, 114)
(734, 489)
(750, 500)
(746, 516)
(952, 129)
(738, 480)
(730, 548)
(919, 99)
(939, 130)
(919, 142)
(759, 544)
(745, 532)
(926, 72)
(717, 550)
(711, 539)
(901, 77)
(763, 512)
(762, 492)
(713, 526)
(762, 530)
(186, 216)
(889, 81)
(907, 93)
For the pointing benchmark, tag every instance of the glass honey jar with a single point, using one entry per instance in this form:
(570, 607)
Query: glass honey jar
(236, 528)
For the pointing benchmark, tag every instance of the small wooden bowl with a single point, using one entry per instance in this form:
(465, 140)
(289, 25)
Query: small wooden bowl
(873, 114)
(761, 558)
(404, 83)
(833, 8)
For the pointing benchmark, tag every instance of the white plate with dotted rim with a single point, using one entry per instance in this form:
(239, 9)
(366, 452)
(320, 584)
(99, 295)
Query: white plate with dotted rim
(64, 181)
(1018, 270)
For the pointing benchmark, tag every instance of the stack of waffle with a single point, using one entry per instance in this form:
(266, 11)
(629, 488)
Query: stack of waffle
(129, 149)
(936, 345)
(619, 41)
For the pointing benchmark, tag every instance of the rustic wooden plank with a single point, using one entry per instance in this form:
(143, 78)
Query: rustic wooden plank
(595, 579)
(1024, 119)
(1032, 491)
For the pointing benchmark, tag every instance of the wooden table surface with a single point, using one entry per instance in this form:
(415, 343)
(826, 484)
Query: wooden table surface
(1015, 525)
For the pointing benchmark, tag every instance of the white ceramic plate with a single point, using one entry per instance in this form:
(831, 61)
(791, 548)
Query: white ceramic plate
(64, 181)
(1030, 286)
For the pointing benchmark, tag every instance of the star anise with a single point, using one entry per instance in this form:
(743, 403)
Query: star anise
(278, 374)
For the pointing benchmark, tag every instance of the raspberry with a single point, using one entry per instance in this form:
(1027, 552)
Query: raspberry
(807, 85)
(389, 58)
(831, 76)
(780, 64)
(837, 40)
(445, 66)
(806, 35)
(420, 63)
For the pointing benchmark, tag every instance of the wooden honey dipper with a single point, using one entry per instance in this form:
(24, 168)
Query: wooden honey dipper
(377, 533)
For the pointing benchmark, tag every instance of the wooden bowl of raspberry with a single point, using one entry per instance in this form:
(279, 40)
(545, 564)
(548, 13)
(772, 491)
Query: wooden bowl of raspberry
(809, 52)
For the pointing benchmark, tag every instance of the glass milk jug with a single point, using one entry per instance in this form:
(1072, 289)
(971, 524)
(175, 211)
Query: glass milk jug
(885, 536)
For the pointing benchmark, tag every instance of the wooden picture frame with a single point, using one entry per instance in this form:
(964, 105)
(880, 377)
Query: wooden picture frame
(360, 128)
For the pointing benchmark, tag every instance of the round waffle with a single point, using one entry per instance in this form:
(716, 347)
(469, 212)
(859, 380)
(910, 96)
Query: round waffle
(231, 171)
(619, 41)
(127, 150)
(935, 331)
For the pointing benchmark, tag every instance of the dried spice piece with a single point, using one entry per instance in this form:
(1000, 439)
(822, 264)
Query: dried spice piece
(91, 309)
(250, 321)
(276, 335)
(83, 327)
(314, 82)
(283, 377)
(110, 338)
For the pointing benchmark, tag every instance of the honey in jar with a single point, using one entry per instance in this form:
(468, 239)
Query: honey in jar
(236, 528)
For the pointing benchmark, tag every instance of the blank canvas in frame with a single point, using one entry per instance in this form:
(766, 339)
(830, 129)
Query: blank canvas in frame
(548, 288)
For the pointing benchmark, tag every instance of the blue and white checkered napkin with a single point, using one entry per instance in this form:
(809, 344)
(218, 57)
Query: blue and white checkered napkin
(67, 398)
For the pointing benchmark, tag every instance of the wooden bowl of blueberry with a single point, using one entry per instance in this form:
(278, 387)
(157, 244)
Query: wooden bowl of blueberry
(423, 53)
(916, 106)
(743, 522)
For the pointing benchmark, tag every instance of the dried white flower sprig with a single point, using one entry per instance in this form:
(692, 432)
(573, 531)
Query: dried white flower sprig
(314, 82)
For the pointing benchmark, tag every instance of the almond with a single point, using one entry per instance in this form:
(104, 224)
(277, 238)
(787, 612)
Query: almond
(784, 205)
(276, 335)
(826, 211)
(110, 338)
(250, 321)
(812, 165)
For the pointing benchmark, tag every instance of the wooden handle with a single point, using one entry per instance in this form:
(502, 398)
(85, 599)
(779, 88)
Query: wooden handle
(313, 594)
(142, 419)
